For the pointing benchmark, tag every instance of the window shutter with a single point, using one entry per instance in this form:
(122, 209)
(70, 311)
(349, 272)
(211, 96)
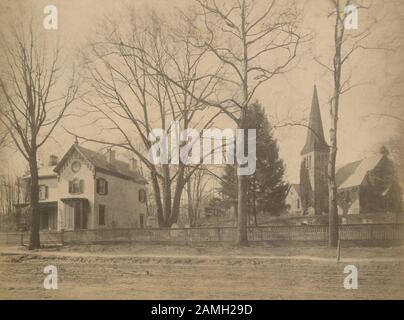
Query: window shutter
(82, 185)
(106, 186)
(142, 195)
(97, 183)
(46, 192)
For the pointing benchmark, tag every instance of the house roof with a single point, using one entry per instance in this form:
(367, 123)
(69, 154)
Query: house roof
(43, 172)
(294, 186)
(353, 174)
(100, 162)
(315, 134)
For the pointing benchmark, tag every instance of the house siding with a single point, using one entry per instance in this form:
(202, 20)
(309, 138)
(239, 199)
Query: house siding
(86, 173)
(122, 205)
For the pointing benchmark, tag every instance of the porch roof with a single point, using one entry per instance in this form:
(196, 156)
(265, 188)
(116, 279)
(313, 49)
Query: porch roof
(41, 204)
(67, 199)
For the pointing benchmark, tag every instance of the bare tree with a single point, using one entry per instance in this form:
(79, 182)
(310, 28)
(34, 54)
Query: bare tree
(196, 189)
(10, 194)
(346, 44)
(255, 44)
(31, 110)
(4, 141)
(236, 37)
(3, 138)
(130, 98)
(239, 36)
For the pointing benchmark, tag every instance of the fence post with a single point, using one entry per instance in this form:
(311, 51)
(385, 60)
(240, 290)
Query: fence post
(338, 250)
(62, 237)
(371, 235)
(113, 233)
(22, 238)
(187, 236)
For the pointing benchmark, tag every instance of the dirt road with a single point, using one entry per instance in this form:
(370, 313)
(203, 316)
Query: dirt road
(161, 273)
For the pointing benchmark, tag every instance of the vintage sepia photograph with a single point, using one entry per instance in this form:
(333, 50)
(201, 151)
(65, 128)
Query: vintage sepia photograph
(201, 150)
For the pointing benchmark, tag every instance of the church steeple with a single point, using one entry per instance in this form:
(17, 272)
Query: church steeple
(313, 169)
(315, 140)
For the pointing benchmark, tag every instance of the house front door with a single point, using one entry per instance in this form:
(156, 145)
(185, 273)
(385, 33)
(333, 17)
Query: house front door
(80, 218)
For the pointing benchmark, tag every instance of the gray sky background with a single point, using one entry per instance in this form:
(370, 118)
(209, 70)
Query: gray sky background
(288, 96)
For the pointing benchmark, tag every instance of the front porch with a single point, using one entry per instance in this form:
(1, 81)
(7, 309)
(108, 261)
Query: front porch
(76, 213)
(48, 216)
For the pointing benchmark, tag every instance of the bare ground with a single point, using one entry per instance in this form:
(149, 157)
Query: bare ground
(200, 272)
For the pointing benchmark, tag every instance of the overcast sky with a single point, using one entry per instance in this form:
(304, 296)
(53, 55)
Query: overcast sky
(288, 96)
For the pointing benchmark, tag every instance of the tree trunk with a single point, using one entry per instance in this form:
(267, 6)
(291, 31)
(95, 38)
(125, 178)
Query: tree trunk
(190, 203)
(333, 209)
(166, 195)
(157, 199)
(241, 212)
(175, 211)
(34, 205)
(242, 239)
(254, 204)
(332, 185)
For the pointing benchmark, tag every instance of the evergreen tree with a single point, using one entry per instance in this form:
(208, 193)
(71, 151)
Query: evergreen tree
(266, 187)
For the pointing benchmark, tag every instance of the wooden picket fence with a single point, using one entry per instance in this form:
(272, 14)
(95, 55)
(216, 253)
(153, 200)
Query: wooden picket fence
(365, 233)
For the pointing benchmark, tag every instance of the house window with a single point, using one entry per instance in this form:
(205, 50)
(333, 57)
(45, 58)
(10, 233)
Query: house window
(102, 186)
(141, 221)
(76, 165)
(76, 186)
(142, 195)
(43, 192)
(298, 204)
(101, 215)
(347, 196)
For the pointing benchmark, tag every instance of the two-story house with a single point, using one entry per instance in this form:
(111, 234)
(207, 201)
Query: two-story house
(89, 190)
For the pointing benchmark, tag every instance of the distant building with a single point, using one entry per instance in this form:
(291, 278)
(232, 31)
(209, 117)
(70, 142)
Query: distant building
(313, 167)
(89, 190)
(293, 199)
(366, 186)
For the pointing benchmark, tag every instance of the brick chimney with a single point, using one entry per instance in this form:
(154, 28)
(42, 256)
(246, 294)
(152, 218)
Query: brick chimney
(111, 156)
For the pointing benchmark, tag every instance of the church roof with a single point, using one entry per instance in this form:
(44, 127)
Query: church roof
(100, 162)
(353, 174)
(315, 134)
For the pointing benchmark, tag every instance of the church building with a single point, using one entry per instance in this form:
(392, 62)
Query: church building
(313, 166)
(366, 186)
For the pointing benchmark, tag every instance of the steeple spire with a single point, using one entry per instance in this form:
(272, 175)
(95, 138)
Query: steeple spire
(315, 135)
